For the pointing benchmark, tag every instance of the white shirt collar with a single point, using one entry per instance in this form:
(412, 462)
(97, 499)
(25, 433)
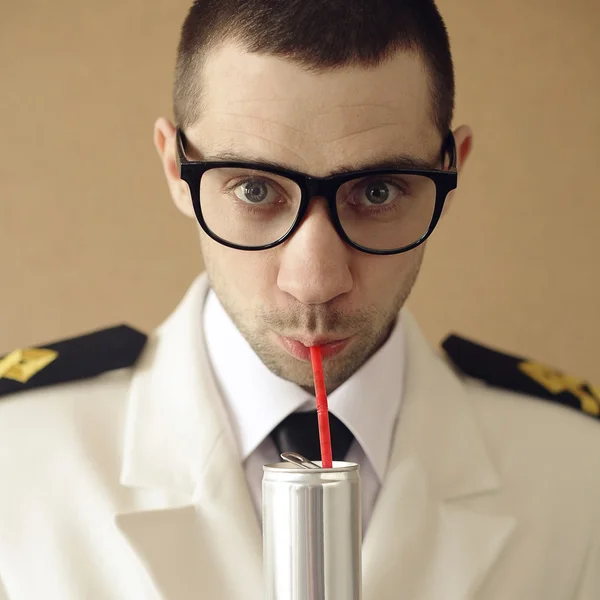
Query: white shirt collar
(257, 400)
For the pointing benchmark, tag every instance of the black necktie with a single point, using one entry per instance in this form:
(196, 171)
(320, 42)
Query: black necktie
(299, 432)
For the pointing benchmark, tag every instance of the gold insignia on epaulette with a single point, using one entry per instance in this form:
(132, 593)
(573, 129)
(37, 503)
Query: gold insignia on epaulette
(22, 365)
(556, 383)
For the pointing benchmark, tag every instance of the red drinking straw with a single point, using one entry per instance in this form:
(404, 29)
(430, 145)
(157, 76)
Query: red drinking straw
(322, 409)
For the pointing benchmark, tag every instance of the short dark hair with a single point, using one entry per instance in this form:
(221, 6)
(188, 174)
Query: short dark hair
(318, 35)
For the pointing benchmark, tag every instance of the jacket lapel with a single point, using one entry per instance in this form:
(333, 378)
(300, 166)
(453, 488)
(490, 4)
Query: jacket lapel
(196, 530)
(427, 539)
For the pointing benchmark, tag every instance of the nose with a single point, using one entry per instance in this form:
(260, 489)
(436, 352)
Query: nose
(314, 263)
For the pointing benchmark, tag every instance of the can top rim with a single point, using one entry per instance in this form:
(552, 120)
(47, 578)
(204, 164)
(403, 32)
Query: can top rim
(339, 466)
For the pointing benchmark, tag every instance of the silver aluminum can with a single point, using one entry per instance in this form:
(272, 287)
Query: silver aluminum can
(312, 532)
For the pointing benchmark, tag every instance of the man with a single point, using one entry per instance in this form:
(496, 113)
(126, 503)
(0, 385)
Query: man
(313, 148)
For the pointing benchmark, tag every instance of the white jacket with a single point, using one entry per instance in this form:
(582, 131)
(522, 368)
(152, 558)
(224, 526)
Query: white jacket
(127, 486)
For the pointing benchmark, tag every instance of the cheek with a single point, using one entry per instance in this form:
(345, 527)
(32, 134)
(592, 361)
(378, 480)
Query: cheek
(383, 278)
(241, 276)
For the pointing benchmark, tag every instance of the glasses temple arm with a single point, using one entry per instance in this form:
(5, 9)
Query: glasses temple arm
(449, 149)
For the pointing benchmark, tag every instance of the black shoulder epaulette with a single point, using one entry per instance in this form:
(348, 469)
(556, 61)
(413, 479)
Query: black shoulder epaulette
(522, 375)
(70, 360)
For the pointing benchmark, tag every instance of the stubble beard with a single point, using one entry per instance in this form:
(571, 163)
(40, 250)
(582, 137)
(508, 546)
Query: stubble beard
(371, 327)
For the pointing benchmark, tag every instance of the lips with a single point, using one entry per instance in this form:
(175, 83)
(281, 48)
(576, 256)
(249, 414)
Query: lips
(301, 350)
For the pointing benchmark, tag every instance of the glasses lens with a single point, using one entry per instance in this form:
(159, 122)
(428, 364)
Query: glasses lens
(248, 207)
(386, 212)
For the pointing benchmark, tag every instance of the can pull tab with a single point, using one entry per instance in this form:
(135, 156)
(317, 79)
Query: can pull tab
(298, 459)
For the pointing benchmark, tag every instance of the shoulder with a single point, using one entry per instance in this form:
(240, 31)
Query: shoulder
(501, 370)
(62, 381)
(540, 423)
(75, 359)
(533, 427)
(62, 421)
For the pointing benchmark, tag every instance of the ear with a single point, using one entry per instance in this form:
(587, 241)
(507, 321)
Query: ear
(463, 138)
(164, 141)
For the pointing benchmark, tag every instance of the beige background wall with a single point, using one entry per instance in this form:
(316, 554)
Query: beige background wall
(88, 236)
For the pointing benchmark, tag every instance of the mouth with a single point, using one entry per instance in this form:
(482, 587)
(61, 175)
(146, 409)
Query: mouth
(300, 349)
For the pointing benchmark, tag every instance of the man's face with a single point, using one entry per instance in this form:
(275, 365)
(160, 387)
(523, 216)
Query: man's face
(313, 288)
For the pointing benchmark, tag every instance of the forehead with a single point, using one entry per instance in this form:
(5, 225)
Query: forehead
(274, 109)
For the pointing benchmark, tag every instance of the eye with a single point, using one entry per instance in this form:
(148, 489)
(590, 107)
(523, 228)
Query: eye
(256, 191)
(377, 192)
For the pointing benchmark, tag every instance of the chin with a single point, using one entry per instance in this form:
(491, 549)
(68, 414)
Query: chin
(292, 370)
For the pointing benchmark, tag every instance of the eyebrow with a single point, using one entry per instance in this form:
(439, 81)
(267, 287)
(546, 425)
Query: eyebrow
(396, 161)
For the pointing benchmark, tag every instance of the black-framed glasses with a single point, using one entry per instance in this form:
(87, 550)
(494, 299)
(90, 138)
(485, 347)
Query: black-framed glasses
(256, 206)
